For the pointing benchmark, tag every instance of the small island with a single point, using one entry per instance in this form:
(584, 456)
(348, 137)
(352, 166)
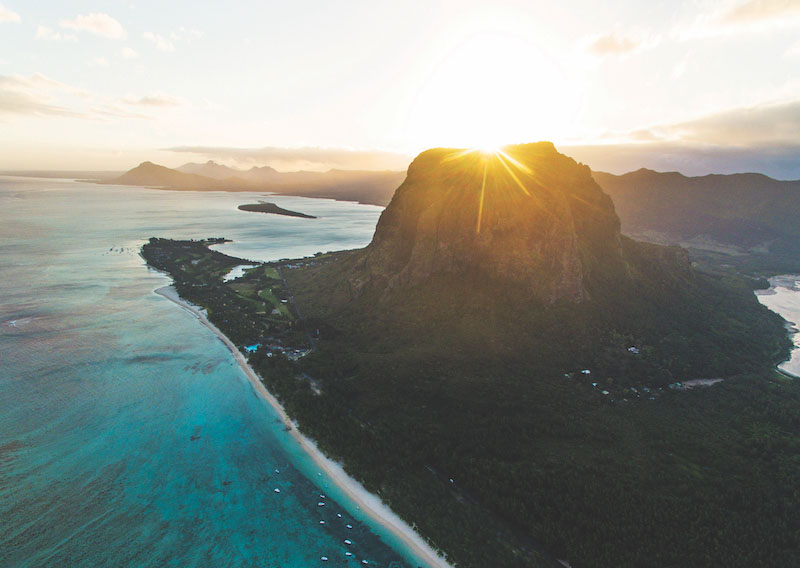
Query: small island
(266, 207)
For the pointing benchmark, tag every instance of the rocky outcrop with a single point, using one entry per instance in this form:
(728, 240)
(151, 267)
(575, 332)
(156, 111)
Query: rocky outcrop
(527, 215)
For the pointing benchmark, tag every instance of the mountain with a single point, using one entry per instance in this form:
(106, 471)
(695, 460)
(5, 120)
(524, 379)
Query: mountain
(210, 169)
(218, 171)
(369, 187)
(527, 222)
(734, 214)
(153, 175)
(529, 215)
(263, 173)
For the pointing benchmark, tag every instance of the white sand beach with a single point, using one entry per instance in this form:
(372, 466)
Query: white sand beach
(369, 503)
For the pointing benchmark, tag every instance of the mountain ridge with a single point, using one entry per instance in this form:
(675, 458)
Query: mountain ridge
(746, 210)
(363, 186)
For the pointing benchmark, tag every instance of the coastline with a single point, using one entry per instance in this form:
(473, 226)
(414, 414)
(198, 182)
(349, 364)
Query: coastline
(369, 503)
(788, 281)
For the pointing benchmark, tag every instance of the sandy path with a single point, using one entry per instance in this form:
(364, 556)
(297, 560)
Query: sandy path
(369, 503)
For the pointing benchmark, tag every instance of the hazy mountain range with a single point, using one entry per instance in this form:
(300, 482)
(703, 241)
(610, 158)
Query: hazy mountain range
(736, 215)
(370, 187)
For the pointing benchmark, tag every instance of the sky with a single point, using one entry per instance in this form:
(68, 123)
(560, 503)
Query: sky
(691, 85)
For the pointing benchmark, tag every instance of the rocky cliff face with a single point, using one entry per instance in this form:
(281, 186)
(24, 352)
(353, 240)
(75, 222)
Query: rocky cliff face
(528, 215)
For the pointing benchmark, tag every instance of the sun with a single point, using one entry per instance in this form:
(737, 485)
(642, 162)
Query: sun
(489, 149)
(502, 164)
(489, 90)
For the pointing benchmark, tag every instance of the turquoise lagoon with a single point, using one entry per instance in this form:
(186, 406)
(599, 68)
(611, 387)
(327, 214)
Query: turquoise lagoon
(128, 434)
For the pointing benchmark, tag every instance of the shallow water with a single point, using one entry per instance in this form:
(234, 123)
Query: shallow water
(784, 298)
(128, 435)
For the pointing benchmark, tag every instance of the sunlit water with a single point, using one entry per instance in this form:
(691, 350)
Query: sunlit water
(783, 297)
(104, 385)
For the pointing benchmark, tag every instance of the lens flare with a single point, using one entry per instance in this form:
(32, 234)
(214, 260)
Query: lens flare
(495, 155)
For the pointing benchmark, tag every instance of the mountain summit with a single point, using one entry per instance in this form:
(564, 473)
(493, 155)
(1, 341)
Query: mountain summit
(525, 214)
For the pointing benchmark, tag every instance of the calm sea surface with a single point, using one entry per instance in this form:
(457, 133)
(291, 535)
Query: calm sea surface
(103, 384)
(784, 298)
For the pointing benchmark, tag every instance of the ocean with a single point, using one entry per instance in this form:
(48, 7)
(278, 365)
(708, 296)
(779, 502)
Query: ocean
(128, 434)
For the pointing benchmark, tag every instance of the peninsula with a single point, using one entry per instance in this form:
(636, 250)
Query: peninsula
(506, 371)
(266, 207)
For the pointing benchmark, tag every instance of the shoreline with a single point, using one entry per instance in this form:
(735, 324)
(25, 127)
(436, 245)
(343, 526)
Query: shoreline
(783, 281)
(787, 374)
(369, 503)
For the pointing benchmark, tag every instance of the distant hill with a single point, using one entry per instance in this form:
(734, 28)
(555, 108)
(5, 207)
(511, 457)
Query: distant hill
(732, 214)
(210, 169)
(369, 187)
(214, 170)
(264, 173)
(153, 175)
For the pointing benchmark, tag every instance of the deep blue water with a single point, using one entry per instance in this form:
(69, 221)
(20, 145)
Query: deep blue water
(103, 383)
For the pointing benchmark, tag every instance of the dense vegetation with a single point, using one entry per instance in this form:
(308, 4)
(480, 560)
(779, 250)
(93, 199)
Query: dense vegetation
(251, 309)
(464, 405)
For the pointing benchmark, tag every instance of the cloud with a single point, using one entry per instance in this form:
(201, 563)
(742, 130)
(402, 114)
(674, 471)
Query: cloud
(48, 34)
(99, 62)
(40, 96)
(159, 41)
(615, 43)
(312, 158)
(611, 44)
(769, 123)
(154, 100)
(35, 81)
(7, 15)
(129, 53)
(759, 11)
(97, 24)
(31, 96)
(738, 17)
(762, 138)
(167, 43)
(45, 33)
(183, 33)
(114, 110)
